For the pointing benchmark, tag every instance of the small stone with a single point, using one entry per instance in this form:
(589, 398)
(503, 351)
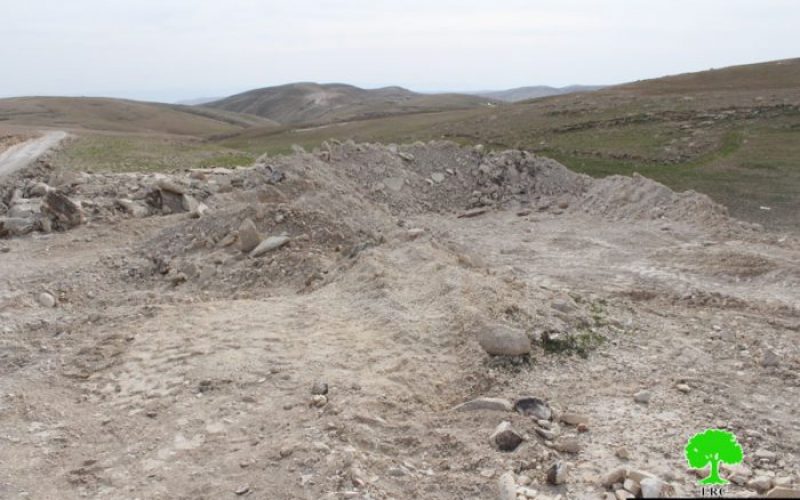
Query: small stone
(544, 424)
(504, 341)
(781, 492)
(623, 495)
(507, 487)
(622, 453)
(765, 455)
(319, 388)
(615, 476)
(415, 233)
(567, 445)
(546, 434)
(319, 401)
(783, 481)
(241, 490)
(406, 156)
(632, 486)
(62, 211)
(557, 473)
(533, 407)
(643, 397)
(572, 418)
(527, 492)
(46, 299)
(437, 177)
(770, 359)
(505, 438)
(654, 488)
(248, 236)
(684, 388)
(582, 428)
(269, 244)
(524, 480)
(485, 404)
(760, 483)
(487, 473)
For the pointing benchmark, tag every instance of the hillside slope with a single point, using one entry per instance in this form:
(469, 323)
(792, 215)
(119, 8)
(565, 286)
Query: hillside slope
(118, 115)
(319, 103)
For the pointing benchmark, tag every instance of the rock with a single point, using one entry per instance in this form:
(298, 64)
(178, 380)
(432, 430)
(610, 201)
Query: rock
(654, 488)
(533, 407)
(782, 492)
(241, 490)
(319, 388)
(572, 418)
(565, 306)
(557, 473)
(472, 213)
(269, 244)
(737, 474)
(582, 428)
(643, 397)
(567, 445)
(133, 208)
(527, 492)
(394, 183)
(546, 434)
(503, 341)
(249, 238)
(165, 184)
(760, 483)
(437, 177)
(194, 207)
(406, 156)
(770, 359)
(623, 494)
(765, 455)
(485, 404)
(505, 438)
(46, 299)
(319, 400)
(507, 487)
(39, 189)
(622, 453)
(783, 481)
(617, 475)
(415, 233)
(64, 212)
(14, 226)
(24, 208)
(684, 388)
(638, 475)
(632, 486)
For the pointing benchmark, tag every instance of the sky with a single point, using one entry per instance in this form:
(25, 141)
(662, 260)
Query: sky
(169, 50)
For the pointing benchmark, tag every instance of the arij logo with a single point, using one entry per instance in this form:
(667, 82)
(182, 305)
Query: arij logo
(712, 448)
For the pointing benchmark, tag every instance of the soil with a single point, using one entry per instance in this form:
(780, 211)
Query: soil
(176, 366)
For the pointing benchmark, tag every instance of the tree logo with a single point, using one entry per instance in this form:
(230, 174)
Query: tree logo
(712, 447)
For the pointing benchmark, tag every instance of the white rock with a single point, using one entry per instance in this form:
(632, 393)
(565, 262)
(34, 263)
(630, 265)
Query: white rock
(507, 487)
(654, 488)
(643, 397)
(46, 299)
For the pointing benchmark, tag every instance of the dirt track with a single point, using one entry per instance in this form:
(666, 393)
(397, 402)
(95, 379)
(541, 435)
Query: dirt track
(196, 383)
(21, 155)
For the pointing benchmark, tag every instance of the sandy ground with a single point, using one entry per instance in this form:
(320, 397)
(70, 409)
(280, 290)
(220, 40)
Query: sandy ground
(142, 387)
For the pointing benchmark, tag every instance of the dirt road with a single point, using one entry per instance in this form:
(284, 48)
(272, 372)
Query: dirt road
(20, 155)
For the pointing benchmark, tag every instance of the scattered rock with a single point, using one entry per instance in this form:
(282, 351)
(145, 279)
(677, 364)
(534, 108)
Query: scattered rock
(415, 233)
(567, 445)
(760, 483)
(473, 213)
(546, 434)
(406, 156)
(241, 490)
(249, 238)
(487, 404)
(622, 453)
(632, 485)
(165, 184)
(643, 397)
(319, 400)
(507, 487)
(133, 208)
(394, 183)
(623, 494)
(319, 388)
(437, 177)
(582, 428)
(503, 341)
(616, 476)
(572, 418)
(46, 299)
(15, 226)
(505, 438)
(557, 473)
(684, 388)
(64, 212)
(270, 244)
(765, 455)
(533, 407)
(654, 488)
(770, 359)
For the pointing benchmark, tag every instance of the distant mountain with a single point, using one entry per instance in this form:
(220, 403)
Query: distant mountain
(324, 103)
(197, 101)
(535, 92)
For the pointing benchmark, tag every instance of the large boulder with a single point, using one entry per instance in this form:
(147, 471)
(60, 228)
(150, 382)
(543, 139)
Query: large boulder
(63, 212)
(504, 341)
(15, 226)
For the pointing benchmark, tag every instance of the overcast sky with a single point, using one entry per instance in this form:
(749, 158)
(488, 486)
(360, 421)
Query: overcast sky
(177, 49)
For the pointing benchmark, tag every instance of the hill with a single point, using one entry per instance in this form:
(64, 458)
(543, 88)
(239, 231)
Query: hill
(732, 133)
(324, 103)
(118, 115)
(535, 92)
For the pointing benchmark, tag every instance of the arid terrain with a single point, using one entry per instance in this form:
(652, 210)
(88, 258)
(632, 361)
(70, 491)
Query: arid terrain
(308, 325)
